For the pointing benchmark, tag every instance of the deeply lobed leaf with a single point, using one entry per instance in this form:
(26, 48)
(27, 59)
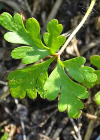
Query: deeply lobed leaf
(70, 91)
(34, 78)
(78, 72)
(30, 36)
(29, 80)
(19, 34)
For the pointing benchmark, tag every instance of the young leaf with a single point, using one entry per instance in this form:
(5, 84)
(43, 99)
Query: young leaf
(29, 80)
(70, 91)
(95, 60)
(78, 72)
(52, 38)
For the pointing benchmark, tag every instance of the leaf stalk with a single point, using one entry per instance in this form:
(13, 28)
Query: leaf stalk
(78, 27)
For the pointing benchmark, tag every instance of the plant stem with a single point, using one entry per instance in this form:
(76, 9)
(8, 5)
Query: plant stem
(78, 27)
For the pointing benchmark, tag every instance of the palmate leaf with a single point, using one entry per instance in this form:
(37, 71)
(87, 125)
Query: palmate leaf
(71, 92)
(29, 80)
(34, 78)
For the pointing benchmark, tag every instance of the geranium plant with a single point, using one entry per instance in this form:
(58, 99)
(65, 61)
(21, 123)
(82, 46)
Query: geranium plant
(34, 79)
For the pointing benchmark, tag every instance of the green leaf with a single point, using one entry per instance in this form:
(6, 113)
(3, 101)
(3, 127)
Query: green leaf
(28, 36)
(92, 84)
(29, 80)
(95, 60)
(78, 72)
(88, 84)
(5, 136)
(29, 54)
(97, 98)
(34, 78)
(19, 34)
(70, 94)
(97, 72)
(52, 38)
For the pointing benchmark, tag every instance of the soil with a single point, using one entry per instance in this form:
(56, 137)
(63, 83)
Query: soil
(39, 119)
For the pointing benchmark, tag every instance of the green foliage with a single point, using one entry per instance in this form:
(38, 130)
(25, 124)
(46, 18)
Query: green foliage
(70, 91)
(95, 60)
(80, 74)
(97, 98)
(5, 136)
(29, 54)
(30, 36)
(18, 33)
(34, 79)
(52, 38)
(30, 80)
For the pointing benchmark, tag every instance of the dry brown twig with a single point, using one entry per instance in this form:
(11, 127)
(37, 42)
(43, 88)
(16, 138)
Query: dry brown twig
(49, 129)
(21, 121)
(4, 122)
(28, 7)
(4, 95)
(11, 129)
(90, 116)
(3, 83)
(12, 4)
(91, 122)
(52, 14)
(89, 46)
(62, 124)
(89, 130)
(76, 130)
(35, 7)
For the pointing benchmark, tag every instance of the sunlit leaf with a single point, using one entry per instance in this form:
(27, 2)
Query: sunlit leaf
(52, 38)
(78, 72)
(95, 60)
(70, 94)
(29, 54)
(29, 80)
